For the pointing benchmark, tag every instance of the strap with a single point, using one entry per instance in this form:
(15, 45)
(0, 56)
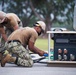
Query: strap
(13, 41)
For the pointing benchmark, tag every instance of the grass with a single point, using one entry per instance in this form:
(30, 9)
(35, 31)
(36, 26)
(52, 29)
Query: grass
(43, 44)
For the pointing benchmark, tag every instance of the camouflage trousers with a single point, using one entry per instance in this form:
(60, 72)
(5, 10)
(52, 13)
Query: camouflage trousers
(24, 58)
(2, 42)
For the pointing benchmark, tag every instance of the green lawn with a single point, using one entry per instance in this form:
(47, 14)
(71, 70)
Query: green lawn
(43, 44)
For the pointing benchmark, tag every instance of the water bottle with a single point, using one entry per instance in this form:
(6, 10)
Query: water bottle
(51, 55)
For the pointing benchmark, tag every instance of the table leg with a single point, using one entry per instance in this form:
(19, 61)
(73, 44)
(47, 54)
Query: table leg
(49, 46)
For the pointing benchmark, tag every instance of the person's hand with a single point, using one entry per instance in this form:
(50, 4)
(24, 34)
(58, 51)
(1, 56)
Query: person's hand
(42, 53)
(46, 54)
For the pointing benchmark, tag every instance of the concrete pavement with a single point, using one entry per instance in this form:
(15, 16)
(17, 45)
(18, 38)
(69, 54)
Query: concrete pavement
(37, 69)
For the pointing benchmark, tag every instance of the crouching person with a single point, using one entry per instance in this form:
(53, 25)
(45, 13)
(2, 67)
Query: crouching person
(17, 42)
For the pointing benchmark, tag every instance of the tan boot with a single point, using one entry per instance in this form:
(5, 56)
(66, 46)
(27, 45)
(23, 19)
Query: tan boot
(7, 58)
(0, 56)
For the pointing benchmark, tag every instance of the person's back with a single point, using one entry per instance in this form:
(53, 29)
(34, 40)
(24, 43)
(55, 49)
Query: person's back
(24, 35)
(13, 20)
(12, 15)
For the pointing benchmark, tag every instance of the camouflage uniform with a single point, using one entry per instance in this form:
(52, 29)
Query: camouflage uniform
(19, 48)
(24, 59)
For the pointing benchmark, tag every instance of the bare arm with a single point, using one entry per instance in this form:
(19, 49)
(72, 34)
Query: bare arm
(2, 31)
(15, 27)
(14, 23)
(35, 49)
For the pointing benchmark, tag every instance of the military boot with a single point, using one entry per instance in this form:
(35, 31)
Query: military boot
(0, 56)
(6, 59)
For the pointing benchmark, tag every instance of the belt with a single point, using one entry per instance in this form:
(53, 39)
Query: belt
(13, 41)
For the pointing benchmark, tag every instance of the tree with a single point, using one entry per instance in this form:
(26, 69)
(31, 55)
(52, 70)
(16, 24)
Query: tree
(53, 11)
(50, 11)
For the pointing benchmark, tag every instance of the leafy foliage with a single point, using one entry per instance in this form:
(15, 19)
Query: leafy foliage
(53, 12)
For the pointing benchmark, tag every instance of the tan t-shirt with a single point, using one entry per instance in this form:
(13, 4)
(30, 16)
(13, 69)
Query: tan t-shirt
(13, 20)
(24, 35)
